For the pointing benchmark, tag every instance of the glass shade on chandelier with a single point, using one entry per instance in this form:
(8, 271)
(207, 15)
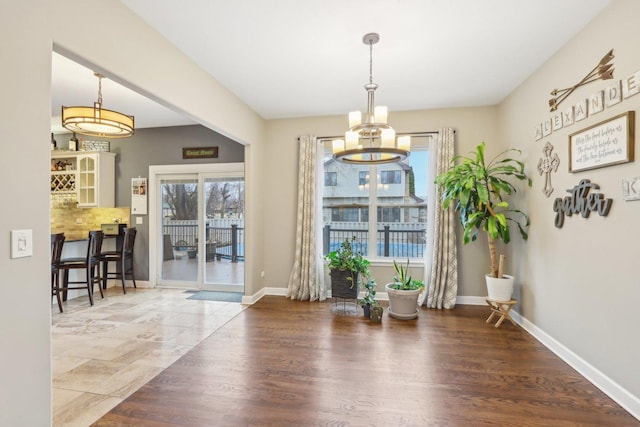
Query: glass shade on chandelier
(97, 121)
(370, 140)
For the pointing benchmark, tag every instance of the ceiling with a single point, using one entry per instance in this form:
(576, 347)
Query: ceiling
(296, 58)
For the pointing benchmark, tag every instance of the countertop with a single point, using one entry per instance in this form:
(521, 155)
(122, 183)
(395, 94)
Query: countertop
(84, 238)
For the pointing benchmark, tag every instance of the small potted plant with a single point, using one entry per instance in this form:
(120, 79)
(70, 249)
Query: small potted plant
(346, 268)
(403, 293)
(369, 299)
(478, 190)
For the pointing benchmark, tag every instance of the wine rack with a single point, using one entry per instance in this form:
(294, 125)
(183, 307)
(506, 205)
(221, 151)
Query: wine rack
(63, 182)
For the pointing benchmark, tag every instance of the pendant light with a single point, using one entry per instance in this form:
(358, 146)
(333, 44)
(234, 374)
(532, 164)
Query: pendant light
(370, 140)
(97, 121)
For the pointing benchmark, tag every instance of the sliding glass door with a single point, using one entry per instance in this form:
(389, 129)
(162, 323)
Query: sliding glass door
(199, 221)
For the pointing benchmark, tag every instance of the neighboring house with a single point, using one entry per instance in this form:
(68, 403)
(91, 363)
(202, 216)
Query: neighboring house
(346, 194)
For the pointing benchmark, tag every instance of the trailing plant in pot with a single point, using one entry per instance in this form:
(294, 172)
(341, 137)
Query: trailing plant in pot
(346, 267)
(368, 301)
(403, 293)
(478, 190)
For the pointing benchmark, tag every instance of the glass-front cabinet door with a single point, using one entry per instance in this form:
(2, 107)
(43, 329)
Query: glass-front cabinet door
(87, 170)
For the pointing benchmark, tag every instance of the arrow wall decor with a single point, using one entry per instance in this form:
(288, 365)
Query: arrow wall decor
(602, 71)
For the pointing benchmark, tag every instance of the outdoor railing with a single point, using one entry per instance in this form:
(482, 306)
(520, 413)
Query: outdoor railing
(221, 242)
(409, 243)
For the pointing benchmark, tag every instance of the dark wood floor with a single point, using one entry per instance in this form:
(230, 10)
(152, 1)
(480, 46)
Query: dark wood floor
(291, 363)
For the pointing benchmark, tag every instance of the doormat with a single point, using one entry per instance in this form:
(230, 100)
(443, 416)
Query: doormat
(216, 296)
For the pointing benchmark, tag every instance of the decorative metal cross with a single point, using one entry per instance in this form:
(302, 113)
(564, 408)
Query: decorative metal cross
(546, 165)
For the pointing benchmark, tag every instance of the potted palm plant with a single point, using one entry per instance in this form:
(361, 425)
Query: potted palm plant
(403, 293)
(478, 189)
(346, 268)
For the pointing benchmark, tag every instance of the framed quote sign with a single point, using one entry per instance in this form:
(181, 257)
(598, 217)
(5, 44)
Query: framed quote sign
(607, 143)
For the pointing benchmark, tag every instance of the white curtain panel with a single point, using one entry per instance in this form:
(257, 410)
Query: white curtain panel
(306, 281)
(441, 265)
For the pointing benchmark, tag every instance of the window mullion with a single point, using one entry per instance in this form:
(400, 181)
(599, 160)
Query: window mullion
(373, 211)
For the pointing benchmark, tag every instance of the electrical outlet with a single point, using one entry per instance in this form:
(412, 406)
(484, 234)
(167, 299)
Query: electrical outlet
(78, 220)
(262, 274)
(139, 220)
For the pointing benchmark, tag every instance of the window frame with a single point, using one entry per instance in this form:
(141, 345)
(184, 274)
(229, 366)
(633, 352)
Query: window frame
(374, 207)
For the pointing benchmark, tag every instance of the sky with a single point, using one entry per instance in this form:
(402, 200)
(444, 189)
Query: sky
(419, 160)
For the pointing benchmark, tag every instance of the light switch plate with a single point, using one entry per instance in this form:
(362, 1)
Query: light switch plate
(21, 243)
(138, 220)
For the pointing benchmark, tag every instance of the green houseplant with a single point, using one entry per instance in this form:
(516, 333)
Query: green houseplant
(478, 189)
(403, 293)
(346, 267)
(368, 301)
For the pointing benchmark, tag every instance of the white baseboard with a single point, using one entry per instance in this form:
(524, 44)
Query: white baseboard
(467, 300)
(252, 299)
(612, 389)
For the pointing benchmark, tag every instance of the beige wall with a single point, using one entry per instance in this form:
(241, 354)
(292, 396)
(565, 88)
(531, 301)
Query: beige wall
(580, 283)
(25, 367)
(472, 125)
(127, 51)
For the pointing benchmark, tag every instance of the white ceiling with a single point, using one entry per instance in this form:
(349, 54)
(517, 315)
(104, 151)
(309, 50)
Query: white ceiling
(295, 58)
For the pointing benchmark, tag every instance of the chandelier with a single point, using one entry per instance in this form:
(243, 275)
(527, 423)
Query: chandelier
(370, 140)
(97, 121)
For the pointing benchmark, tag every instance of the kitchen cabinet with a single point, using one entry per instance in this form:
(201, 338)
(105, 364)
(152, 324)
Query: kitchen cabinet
(89, 175)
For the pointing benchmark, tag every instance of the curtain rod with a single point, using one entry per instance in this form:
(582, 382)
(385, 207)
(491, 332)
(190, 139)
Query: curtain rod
(425, 133)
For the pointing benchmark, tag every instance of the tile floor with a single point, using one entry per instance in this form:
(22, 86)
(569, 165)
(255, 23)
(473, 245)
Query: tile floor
(102, 354)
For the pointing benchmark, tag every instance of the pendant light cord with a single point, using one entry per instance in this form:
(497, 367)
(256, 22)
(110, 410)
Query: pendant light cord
(99, 76)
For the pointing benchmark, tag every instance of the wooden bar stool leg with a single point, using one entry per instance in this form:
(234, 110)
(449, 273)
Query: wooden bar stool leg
(56, 283)
(123, 270)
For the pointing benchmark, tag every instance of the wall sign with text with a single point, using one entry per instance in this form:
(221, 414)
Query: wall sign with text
(607, 143)
(200, 153)
(581, 201)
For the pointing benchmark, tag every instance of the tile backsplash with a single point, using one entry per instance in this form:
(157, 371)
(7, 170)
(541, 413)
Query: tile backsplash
(76, 222)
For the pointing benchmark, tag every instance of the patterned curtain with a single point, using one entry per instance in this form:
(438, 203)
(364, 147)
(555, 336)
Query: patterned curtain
(306, 281)
(442, 267)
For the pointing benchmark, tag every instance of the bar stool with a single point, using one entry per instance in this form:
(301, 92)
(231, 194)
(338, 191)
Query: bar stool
(121, 256)
(57, 242)
(90, 264)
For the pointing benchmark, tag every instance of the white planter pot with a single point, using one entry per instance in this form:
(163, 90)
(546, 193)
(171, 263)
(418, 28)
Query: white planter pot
(499, 289)
(402, 304)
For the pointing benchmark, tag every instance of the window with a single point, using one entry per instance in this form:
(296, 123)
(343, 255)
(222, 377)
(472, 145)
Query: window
(391, 177)
(388, 214)
(330, 179)
(340, 214)
(388, 221)
(364, 178)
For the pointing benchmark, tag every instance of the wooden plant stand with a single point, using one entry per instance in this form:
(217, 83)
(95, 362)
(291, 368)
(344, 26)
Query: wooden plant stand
(502, 309)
